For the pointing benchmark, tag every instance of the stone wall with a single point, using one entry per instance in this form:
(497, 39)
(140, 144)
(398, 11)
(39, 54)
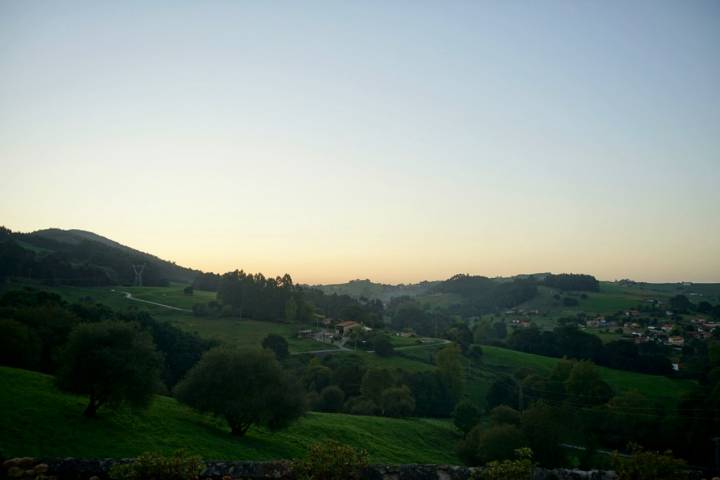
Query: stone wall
(97, 469)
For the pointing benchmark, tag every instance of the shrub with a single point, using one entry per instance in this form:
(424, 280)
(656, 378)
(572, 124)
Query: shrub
(519, 469)
(647, 465)
(178, 466)
(331, 460)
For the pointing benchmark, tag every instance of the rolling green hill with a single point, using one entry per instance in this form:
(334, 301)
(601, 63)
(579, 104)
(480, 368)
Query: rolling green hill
(38, 420)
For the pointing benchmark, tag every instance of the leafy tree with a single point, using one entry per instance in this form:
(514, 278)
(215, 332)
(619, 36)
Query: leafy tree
(483, 445)
(361, 406)
(316, 377)
(475, 352)
(244, 387)
(680, 303)
(382, 346)
(332, 399)
(112, 362)
(397, 402)
(503, 391)
(466, 416)
(542, 427)
(449, 363)
(19, 346)
(504, 415)
(277, 344)
(585, 386)
(291, 310)
(189, 290)
(374, 382)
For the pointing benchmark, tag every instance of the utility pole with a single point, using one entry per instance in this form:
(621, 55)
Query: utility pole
(138, 269)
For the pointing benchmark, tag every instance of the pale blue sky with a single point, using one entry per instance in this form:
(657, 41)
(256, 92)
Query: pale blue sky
(393, 140)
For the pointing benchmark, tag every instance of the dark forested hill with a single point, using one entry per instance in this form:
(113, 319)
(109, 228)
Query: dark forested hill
(78, 257)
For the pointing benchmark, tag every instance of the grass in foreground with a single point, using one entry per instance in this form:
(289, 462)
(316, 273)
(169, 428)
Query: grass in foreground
(38, 420)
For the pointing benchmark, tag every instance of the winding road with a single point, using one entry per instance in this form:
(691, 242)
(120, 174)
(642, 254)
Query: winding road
(129, 296)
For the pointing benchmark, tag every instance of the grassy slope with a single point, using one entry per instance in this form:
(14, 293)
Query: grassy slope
(243, 333)
(46, 422)
(655, 387)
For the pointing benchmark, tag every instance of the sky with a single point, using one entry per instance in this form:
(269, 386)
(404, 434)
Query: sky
(396, 141)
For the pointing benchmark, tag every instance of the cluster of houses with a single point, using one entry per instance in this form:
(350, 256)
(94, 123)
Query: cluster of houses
(332, 331)
(701, 328)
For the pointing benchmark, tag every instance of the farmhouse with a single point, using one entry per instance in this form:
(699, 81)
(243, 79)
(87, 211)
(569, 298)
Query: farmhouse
(344, 328)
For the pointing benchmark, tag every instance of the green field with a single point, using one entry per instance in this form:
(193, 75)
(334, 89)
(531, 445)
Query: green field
(654, 387)
(227, 330)
(46, 422)
(244, 333)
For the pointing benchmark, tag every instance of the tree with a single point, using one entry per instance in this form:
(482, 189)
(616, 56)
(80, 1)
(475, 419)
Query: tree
(291, 310)
(680, 303)
(382, 346)
(449, 363)
(277, 344)
(504, 415)
(374, 382)
(397, 402)
(586, 387)
(112, 362)
(466, 416)
(19, 346)
(189, 290)
(483, 445)
(332, 398)
(244, 387)
(543, 428)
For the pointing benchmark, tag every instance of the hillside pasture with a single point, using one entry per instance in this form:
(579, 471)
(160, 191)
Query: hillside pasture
(46, 422)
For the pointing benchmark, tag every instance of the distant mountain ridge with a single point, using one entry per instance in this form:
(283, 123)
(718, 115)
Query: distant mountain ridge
(79, 257)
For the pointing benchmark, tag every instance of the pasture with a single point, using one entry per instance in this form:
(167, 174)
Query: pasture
(46, 422)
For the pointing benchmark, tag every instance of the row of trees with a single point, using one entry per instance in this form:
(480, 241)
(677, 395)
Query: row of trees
(345, 383)
(35, 326)
(569, 341)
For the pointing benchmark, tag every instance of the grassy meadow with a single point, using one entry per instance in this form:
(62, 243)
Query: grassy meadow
(46, 422)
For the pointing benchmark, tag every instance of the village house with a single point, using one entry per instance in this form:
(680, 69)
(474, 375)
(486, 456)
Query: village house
(344, 328)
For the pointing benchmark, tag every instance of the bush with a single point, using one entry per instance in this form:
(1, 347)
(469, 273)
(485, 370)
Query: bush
(646, 465)
(178, 466)
(519, 469)
(331, 460)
